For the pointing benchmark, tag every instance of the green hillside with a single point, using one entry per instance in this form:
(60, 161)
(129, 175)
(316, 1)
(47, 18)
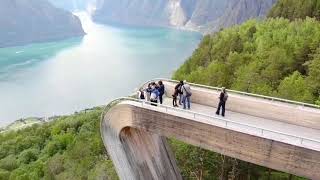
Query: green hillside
(274, 57)
(68, 148)
(296, 9)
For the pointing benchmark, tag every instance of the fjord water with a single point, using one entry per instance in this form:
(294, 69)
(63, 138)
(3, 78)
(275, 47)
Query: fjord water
(41, 80)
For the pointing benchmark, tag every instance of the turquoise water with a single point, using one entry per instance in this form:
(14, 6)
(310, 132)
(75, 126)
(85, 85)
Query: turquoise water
(63, 77)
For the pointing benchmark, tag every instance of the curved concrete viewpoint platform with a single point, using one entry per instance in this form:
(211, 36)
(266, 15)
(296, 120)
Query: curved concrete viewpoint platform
(275, 133)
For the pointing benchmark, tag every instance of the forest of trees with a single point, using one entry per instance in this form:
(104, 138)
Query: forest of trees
(275, 57)
(296, 9)
(68, 148)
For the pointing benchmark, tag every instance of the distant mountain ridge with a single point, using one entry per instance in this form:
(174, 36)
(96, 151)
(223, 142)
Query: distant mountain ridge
(29, 21)
(239, 11)
(201, 15)
(75, 5)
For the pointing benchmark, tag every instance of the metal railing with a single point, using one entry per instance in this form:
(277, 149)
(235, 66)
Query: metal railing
(240, 93)
(226, 122)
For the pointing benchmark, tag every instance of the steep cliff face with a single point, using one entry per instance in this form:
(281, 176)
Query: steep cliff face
(206, 11)
(201, 15)
(29, 21)
(239, 11)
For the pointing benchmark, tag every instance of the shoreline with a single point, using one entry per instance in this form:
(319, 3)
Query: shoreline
(30, 121)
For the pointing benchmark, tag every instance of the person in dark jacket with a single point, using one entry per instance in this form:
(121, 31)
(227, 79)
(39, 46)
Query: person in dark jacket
(161, 90)
(177, 91)
(222, 102)
(148, 92)
(141, 94)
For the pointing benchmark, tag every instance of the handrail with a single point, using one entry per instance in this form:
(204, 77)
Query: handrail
(240, 93)
(196, 114)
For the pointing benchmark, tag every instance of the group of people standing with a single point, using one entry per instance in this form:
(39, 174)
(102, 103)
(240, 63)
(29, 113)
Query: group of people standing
(182, 91)
(153, 92)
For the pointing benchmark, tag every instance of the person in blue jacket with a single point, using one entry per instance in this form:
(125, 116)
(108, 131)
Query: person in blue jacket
(154, 94)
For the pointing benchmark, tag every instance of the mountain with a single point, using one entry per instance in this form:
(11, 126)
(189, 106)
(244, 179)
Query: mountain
(69, 5)
(133, 12)
(293, 9)
(205, 15)
(76, 5)
(239, 11)
(30, 21)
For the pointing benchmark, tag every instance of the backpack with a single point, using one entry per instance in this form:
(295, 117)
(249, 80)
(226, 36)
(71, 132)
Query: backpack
(225, 97)
(188, 93)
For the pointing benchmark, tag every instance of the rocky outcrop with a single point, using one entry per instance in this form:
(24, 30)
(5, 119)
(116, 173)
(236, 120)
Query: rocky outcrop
(29, 21)
(204, 15)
